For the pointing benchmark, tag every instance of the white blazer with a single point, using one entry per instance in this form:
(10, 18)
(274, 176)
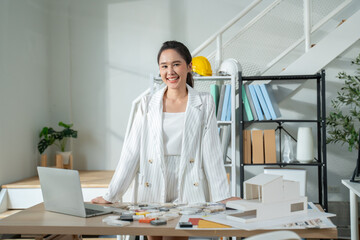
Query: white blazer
(202, 175)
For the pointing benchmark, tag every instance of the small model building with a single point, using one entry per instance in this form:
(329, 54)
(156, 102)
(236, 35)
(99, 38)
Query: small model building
(268, 196)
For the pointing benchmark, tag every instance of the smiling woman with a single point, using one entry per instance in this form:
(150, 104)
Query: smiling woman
(174, 71)
(173, 144)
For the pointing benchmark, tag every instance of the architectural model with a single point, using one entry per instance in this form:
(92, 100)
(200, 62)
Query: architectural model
(268, 196)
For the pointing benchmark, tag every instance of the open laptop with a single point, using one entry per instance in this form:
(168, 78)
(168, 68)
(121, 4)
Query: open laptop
(61, 190)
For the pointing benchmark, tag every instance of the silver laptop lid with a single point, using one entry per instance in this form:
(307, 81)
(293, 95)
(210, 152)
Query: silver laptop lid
(61, 190)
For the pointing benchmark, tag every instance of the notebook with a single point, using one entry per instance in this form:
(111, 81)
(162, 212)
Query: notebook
(61, 190)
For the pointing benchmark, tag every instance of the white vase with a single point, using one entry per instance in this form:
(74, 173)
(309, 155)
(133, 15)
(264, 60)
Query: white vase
(65, 156)
(305, 145)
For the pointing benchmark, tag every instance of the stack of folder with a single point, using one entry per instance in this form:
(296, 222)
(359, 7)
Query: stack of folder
(259, 146)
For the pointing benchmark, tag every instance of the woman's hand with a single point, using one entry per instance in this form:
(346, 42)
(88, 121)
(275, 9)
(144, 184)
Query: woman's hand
(229, 199)
(100, 200)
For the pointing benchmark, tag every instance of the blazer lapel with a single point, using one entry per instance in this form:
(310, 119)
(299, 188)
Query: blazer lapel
(155, 124)
(191, 125)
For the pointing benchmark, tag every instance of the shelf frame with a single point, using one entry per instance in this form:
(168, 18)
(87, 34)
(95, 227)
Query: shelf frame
(320, 121)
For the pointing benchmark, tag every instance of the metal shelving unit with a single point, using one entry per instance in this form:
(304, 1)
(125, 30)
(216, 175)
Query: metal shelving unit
(320, 121)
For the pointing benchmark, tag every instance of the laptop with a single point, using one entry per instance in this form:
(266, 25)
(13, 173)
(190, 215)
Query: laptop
(61, 190)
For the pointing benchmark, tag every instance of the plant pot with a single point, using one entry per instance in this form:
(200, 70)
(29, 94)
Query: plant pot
(65, 156)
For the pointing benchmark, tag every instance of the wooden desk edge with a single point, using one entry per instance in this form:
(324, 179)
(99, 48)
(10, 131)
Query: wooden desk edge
(94, 226)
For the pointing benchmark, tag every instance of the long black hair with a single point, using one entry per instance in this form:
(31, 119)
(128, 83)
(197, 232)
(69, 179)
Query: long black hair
(184, 52)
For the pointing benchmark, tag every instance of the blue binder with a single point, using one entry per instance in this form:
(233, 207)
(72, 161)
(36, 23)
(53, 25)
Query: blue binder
(268, 101)
(227, 99)
(259, 112)
(262, 102)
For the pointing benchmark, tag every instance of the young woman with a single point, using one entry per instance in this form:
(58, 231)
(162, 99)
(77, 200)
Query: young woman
(173, 143)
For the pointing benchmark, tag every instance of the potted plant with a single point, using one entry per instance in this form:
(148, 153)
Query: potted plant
(48, 136)
(343, 122)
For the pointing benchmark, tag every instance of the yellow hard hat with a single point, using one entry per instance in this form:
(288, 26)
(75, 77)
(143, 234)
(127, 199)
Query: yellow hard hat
(201, 66)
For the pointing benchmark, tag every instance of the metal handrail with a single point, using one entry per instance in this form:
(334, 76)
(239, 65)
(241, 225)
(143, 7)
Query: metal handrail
(313, 29)
(224, 28)
(218, 35)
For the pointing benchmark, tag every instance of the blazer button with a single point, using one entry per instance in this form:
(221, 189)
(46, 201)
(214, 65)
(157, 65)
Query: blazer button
(147, 184)
(196, 184)
(150, 161)
(192, 160)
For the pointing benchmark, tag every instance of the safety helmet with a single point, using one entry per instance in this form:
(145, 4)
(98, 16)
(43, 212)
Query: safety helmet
(230, 66)
(201, 66)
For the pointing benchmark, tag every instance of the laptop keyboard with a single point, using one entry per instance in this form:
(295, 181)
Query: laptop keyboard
(92, 211)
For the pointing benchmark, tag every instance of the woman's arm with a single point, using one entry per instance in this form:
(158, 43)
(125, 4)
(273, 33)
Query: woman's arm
(128, 164)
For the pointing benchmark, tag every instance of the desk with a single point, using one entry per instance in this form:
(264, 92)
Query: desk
(354, 190)
(36, 220)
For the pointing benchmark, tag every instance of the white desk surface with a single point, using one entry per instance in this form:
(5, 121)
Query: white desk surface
(353, 186)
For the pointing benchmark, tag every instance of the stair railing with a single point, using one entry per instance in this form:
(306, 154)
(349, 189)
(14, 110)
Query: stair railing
(217, 54)
(218, 35)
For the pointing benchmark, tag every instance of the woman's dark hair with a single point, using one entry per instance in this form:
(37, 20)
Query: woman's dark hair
(184, 53)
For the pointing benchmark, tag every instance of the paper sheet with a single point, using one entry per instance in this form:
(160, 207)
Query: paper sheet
(299, 221)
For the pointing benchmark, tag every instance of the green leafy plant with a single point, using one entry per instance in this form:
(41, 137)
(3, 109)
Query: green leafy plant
(49, 137)
(343, 122)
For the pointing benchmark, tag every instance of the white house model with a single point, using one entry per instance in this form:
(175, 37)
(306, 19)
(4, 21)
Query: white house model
(268, 196)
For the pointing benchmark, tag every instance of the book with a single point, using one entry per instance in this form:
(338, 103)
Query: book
(257, 142)
(259, 112)
(214, 91)
(262, 102)
(228, 113)
(209, 224)
(270, 100)
(225, 103)
(221, 102)
(247, 146)
(251, 103)
(247, 108)
(270, 146)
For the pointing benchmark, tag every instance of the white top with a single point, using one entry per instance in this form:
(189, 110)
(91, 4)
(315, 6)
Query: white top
(173, 126)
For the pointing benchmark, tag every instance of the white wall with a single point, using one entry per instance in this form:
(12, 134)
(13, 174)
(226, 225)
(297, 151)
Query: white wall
(24, 105)
(84, 61)
(102, 53)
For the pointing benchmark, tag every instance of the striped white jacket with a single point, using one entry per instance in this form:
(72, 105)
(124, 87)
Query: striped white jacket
(202, 175)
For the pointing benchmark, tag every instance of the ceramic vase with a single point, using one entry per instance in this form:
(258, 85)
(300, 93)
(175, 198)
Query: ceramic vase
(305, 145)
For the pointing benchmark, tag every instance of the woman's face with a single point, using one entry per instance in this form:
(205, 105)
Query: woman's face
(173, 69)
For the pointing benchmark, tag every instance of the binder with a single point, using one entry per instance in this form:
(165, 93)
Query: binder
(226, 103)
(262, 102)
(247, 146)
(214, 91)
(268, 101)
(251, 103)
(259, 112)
(246, 105)
(257, 141)
(270, 98)
(221, 102)
(270, 146)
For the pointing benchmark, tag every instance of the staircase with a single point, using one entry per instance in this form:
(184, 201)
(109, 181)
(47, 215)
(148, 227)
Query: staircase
(328, 48)
(278, 38)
